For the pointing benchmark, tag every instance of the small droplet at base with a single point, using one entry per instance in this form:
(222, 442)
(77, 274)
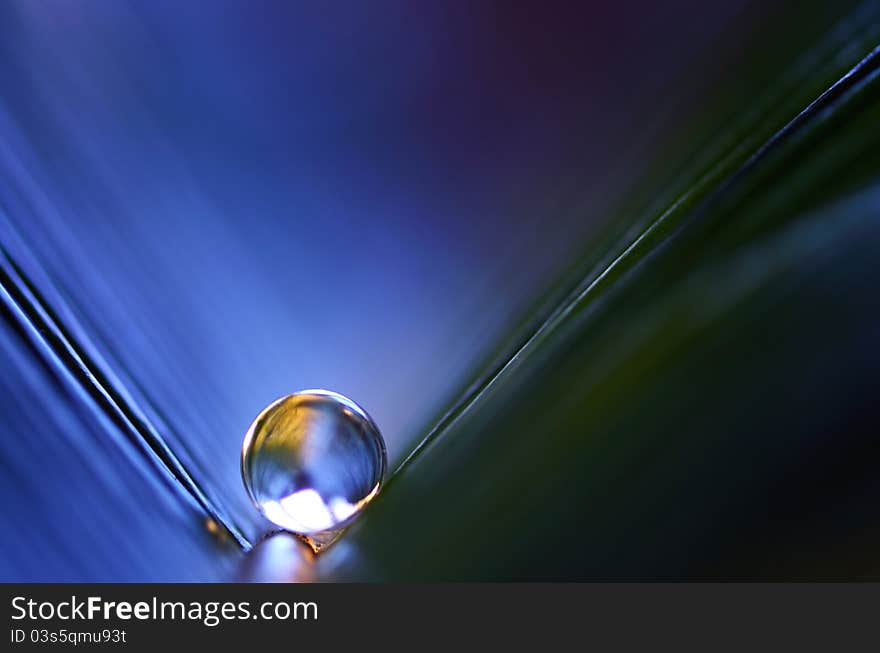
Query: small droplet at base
(318, 542)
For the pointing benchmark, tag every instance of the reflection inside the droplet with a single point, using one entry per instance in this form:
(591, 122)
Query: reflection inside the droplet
(305, 511)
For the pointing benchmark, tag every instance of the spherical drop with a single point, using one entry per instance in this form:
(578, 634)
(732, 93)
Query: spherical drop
(312, 460)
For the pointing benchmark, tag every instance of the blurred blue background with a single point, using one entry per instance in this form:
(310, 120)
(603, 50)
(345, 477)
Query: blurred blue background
(226, 202)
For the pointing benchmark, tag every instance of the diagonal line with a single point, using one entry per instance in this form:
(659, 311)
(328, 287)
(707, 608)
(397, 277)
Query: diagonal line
(863, 72)
(43, 326)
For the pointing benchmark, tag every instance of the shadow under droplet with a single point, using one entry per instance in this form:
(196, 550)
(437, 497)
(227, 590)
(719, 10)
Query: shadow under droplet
(278, 558)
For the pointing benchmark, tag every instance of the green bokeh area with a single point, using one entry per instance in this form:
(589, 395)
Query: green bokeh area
(705, 407)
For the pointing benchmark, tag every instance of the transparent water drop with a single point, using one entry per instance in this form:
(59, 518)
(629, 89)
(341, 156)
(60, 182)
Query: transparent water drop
(311, 461)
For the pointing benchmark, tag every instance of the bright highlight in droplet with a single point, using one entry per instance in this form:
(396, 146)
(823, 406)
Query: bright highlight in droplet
(312, 460)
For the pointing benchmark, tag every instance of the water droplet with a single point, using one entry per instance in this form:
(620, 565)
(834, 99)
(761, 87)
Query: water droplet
(311, 461)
